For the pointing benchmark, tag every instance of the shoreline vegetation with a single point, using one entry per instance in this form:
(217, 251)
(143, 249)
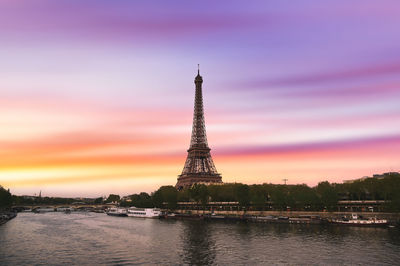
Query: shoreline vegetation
(325, 197)
(6, 200)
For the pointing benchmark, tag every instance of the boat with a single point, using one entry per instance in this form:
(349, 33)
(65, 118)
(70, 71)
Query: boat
(63, 209)
(357, 220)
(186, 216)
(144, 212)
(43, 210)
(117, 212)
(183, 216)
(98, 210)
(214, 216)
(168, 215)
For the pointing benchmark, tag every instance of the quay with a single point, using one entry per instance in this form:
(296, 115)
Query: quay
(231, 211)
(272, 217)
(6, 216)
(289, 217)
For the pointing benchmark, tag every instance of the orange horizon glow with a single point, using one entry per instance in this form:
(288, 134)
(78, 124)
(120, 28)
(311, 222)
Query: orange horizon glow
(97, 155)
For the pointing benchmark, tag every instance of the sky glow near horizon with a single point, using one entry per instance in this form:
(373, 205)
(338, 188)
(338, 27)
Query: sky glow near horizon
(96, 97)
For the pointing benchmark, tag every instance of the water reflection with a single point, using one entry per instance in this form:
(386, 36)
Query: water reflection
(198, 243)
(98, 239)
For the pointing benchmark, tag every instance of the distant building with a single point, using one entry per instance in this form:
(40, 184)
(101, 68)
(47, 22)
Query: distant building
(29, 197)
(126, 199)
(355, 180)
(376, 176)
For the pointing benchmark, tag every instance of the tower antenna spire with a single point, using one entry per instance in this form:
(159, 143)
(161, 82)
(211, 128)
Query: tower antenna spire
(198, 69)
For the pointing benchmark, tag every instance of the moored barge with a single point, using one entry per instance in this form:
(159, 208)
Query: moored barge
(356, 220)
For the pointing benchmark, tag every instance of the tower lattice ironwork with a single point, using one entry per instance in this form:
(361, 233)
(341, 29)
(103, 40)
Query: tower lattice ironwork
(199, 166)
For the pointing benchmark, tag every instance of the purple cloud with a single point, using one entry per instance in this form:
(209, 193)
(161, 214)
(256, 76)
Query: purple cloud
(319, 78)
(107, 21)
(311, 147)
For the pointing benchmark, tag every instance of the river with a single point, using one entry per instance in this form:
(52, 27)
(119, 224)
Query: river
(97, 239)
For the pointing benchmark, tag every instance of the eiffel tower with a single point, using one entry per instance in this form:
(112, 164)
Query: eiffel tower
(199, 166)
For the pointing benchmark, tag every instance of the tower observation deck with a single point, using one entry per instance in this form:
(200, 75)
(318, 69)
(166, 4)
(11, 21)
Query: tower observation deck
(199, 166)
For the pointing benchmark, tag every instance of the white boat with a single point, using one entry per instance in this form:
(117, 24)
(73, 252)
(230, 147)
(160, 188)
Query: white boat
(63, 209)
(43, 209)
(359, 221)
(116, 212)
(144, 212)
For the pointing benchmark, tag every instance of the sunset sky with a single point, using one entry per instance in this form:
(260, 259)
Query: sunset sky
(96, 97)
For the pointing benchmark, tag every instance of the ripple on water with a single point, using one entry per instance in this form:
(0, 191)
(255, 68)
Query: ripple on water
(98, 239)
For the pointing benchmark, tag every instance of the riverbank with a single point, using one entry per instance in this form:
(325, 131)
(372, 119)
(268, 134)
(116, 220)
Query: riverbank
(392, 218)
(6, 216)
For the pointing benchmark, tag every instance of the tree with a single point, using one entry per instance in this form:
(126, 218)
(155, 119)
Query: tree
(392, 190)
(304, 198)
(199, 193)
(5, 198)
(142, 200)
(98, 200)
(157, 199)
(279, 197)
(225, 192)
(167, 194)
(170, 195)
(113, 198)
(203, 195)
(243, 195)
(258, 196)
(183, 195)
(328, 195)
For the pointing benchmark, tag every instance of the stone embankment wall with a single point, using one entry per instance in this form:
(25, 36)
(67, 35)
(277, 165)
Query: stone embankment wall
(6, 216)
(393, 217)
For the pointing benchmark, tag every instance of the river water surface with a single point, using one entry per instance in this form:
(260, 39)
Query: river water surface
(98, 239)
